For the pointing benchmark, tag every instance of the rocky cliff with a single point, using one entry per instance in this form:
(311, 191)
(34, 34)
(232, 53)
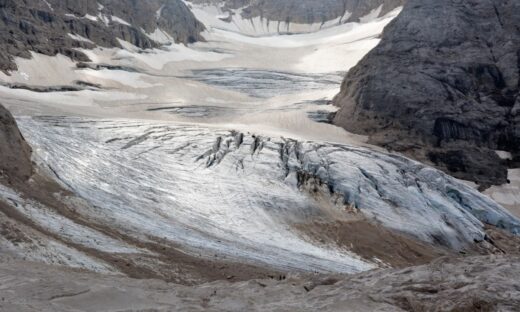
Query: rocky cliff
(15, 153)
(307, 11)
(58, 26)
(443, 86)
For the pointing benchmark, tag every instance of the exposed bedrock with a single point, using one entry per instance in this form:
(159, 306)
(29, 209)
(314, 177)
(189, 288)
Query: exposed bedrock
(308, 11)
(46, 26)
(443, 86)
(15, 153)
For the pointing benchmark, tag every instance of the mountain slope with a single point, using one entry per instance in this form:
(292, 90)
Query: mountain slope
(55, 26)
(262, 17)
(470, 284)
(443, 86)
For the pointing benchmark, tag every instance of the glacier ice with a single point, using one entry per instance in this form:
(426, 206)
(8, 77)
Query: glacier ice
(241, 194)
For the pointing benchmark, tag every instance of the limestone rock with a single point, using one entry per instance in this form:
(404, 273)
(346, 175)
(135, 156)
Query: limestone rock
(15, 153)
(307, 11)
(46, 26)
(442, 86)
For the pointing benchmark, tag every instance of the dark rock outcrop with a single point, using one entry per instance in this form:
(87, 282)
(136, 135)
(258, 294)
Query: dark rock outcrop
(15, 153)
(307, 11)
(44, 26)
(443, 86)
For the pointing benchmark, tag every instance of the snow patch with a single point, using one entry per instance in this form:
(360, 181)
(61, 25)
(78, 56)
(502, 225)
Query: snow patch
(504, 155)
(119, 20)
(105, 19)
(48, 5)
(374, 14)
(159, 12)
(79, 38)
(160, 36)
(91, 17)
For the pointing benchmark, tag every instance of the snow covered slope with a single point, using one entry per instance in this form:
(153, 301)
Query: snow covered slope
(53, 27)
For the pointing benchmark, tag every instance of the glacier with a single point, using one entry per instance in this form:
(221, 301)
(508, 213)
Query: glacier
(243, 195)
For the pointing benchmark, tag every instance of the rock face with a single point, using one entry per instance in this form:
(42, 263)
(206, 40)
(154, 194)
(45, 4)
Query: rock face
(57, 26)
(308, 11)
(443, 86)
(15, 153)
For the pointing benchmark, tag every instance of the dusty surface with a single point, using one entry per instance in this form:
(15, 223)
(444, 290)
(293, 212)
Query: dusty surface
(375, 243)
(469, 284)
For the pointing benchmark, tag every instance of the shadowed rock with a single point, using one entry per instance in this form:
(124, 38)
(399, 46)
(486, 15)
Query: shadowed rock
(15, 153)
(442, 86)
(471, 284)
